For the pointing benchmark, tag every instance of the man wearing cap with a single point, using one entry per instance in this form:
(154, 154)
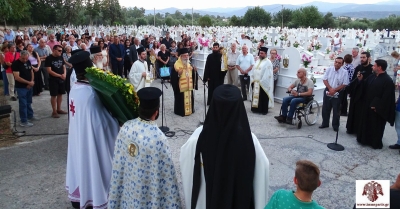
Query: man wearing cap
(139, 69)
(143, 173)
(223, 164)
(91, 139)
(262, 84)
(183, 82)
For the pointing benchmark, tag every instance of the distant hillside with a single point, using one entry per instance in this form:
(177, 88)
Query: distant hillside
(371, 11)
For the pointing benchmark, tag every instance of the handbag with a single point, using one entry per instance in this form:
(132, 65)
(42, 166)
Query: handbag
(164, 71)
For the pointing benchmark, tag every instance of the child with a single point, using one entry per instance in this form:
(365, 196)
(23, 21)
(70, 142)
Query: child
(307, 180)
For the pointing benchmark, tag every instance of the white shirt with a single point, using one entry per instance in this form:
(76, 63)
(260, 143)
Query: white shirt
(244, 61)
(336, 78)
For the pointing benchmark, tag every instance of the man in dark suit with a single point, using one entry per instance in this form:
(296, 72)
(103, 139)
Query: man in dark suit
(117, 54)
(143, 41)
(133, 49)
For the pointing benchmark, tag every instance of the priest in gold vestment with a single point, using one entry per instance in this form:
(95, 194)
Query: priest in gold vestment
(183, 81)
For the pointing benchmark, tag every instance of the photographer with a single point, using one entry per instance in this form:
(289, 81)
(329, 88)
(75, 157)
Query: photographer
(354, 115)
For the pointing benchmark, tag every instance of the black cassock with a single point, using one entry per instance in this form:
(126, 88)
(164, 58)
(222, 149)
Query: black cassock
(263, 102)
(356, 100)
(378, 92)
(213, 73)
(179, 106)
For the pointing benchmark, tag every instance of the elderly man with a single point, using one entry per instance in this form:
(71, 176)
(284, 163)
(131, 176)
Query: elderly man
(52, 41)
(183, 81)
(96, 56)
(72, 43)
(304, 88)
(244, 64)
(335, 79)
(9, 36)
(133, 50)
(262, 84)
(42, 51)
(232, 73)
(356, 57)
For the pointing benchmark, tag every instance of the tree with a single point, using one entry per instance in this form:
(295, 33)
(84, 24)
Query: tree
(92, 9)
(329, 21)
(111, 11)
(141, 21)
(205, 21)
(256, 16)
(169, 21)
(16, 9)
(234, 21)
(307, 17)
(287, 17)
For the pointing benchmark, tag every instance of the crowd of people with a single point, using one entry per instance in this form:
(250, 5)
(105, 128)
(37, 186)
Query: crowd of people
(109, 166)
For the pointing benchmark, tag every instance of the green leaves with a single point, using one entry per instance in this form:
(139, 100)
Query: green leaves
(256, 16)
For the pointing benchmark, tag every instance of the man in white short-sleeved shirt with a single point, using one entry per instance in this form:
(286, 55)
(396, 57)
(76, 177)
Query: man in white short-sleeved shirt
(244, 64)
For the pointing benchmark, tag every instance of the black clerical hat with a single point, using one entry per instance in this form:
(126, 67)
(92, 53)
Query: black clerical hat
(183, 51)
(264, 49)
(80, 61)
(149, 97)
(95, 49)
(75, 51)
(140, 50)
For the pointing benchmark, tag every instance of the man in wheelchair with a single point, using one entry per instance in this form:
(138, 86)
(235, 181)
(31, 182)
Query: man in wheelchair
(304, 89)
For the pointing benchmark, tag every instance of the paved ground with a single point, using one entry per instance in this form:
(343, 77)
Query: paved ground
(33, 171)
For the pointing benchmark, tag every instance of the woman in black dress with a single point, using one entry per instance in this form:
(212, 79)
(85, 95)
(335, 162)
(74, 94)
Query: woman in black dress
(127, 58)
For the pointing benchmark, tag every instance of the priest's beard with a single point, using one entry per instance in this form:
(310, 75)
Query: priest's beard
(215, 51)
(99, 64)
(185, 62)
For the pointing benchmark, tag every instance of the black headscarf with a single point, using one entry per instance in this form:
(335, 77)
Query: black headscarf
(228, 153)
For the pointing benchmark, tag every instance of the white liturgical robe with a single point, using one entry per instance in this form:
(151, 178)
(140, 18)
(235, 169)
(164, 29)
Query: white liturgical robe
(136, 74)
(263, 73)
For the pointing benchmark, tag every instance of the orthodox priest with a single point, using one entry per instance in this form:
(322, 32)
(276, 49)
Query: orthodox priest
(139, 71)
(378, 106)
(183, 81)
(356, 94)
(223, 164)
(262, 84)
(92, 132)
(143, 173)
(212, 71)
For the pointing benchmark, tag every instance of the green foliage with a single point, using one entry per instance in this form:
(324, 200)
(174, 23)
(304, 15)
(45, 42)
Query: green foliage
(307, 17)
(287, 17)
(329, 21)
(205, 21)
(235, 21)
(256, 16)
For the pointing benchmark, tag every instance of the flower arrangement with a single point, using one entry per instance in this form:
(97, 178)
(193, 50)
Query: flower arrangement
(123, 94)
(296, 44)
(313, 79)
(309, 48)
(359, 45)
(265, 38)
(282, 38)
(328, 50)
(306, 60)
(332, 56)
(204, 43)
(318, 46)
(278, 57)
(276, 42)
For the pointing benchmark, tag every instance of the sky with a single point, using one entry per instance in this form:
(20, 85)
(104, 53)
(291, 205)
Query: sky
(204, 4)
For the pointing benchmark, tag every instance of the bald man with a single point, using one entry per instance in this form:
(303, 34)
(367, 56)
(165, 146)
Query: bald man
(304, 88)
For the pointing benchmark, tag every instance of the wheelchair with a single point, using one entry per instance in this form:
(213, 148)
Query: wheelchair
(309, 109)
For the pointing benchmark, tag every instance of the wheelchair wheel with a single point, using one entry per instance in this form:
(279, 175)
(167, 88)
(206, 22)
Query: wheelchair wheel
(299, 124)
(312, 111)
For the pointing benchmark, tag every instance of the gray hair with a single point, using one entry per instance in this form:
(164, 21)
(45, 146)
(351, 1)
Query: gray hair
(304, 70)
(356, 49)
(92, 55)
(24, 53)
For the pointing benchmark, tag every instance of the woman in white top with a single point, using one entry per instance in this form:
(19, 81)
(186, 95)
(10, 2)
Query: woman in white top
(104, 52)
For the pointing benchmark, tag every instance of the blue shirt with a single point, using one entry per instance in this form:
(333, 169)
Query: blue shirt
(244, 61)
(9, 37)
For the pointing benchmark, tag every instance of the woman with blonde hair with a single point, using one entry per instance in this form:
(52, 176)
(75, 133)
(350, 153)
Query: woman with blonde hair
(35, 62)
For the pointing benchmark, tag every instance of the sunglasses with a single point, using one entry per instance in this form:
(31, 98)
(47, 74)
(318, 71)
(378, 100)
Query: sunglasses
(59, 50)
